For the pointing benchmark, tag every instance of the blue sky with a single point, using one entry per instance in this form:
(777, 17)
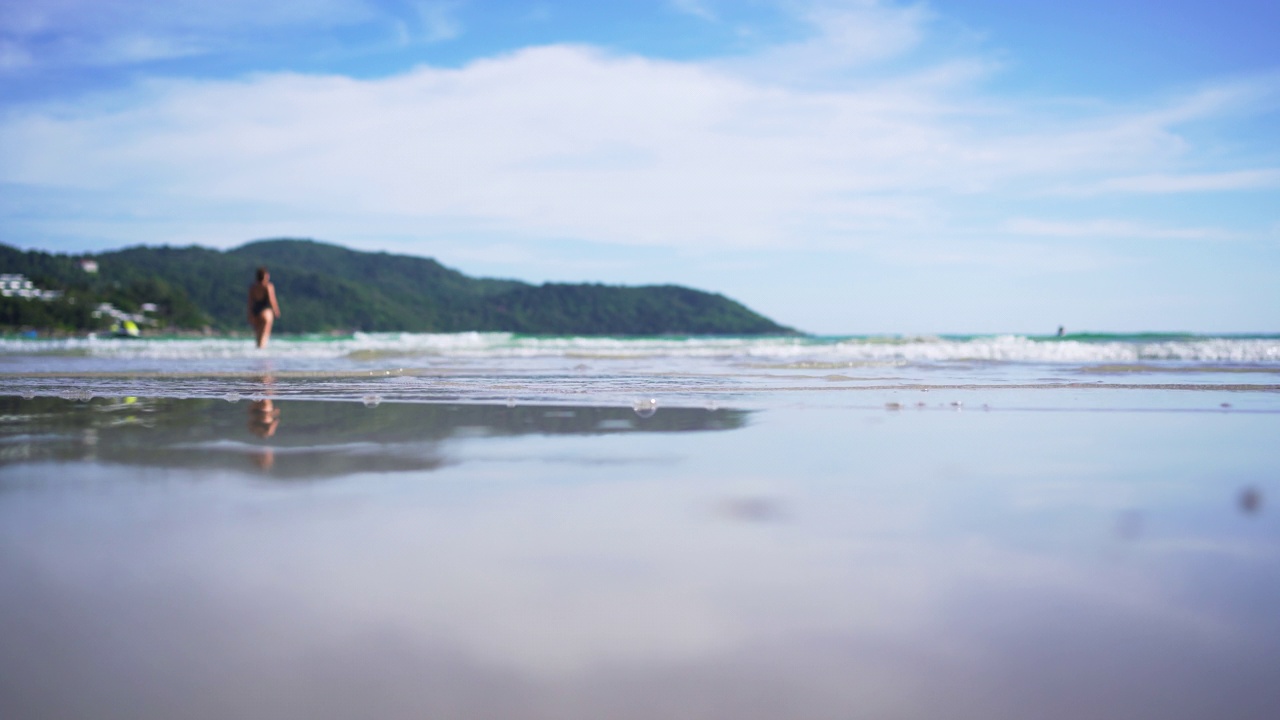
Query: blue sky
(843, 166)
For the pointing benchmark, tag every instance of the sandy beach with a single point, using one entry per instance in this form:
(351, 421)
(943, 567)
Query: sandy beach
(963, 554)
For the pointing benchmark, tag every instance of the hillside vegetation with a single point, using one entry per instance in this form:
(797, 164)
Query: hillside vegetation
(324, 287)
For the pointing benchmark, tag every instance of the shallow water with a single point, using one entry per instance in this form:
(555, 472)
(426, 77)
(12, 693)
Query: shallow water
(499, 368)
(639, 537)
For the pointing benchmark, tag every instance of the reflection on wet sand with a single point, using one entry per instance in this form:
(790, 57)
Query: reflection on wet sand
(264, 418)
(575, 563)
(321, 439)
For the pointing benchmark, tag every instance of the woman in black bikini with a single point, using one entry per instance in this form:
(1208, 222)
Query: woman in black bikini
(263, 309)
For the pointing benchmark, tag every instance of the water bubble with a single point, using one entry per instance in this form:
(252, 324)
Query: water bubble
(645, 408)
(371, 400)
(711, 406)
(231, 397)
(511, 402)
(28, 395)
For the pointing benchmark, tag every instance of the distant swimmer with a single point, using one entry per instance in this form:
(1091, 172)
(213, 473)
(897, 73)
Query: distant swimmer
(1061, 331)
(263, 308)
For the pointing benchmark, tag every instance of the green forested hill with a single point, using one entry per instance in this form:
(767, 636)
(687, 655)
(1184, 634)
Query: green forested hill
(326, 287)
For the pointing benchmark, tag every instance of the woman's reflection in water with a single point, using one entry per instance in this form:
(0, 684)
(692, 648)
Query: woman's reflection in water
(264, 418)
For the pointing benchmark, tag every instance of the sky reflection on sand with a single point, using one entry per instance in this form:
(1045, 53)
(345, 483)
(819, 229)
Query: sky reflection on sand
(798, 561)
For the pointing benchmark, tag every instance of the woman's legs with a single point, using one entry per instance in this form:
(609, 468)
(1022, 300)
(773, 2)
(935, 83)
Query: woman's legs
(262, 326)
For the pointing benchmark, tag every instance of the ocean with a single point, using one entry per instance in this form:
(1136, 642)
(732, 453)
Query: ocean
(503, 526)
(497, 367)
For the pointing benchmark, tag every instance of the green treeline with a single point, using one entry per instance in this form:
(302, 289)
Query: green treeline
(326, 287)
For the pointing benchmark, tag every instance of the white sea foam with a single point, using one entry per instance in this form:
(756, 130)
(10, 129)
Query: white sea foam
(372, 347)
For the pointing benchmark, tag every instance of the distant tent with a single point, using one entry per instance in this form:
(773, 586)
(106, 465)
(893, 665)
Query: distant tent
(128, 328)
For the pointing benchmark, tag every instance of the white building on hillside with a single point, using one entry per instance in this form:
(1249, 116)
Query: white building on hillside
(17, 285)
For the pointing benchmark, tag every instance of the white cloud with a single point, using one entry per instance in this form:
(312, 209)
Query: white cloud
(570, 142)
(566, 141)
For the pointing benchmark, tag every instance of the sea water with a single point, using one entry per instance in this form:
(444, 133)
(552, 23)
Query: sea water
(501, 526)
(492, 367)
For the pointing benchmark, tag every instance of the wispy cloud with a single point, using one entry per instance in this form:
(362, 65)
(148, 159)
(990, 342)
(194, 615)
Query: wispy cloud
(128, 49)
(571, 142)
(94, 32)
(696, 8)
(567, 141)
(1191, 182)
(843, 36)
(111, 17)
(13, 56)
(1018, 256)
(438, 20)
(1113, 229)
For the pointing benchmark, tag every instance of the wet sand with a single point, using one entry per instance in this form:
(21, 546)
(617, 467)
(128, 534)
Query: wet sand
(1056, 554)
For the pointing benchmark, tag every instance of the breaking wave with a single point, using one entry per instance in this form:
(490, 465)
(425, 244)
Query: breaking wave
(814, 352)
